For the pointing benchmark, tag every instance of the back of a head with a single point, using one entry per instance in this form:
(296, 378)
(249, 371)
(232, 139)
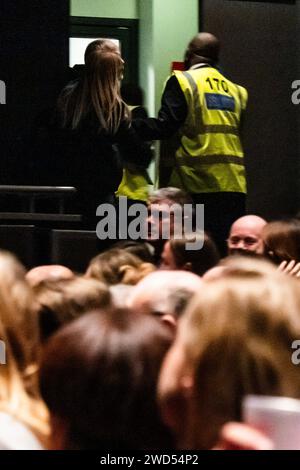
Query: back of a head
(19, 334)
(197, 261)
(164, 292)
(49, 272)
(117, 266)
(205, 48)
(237, 337)
(62, 301)
(98, 94)
(18, 317)
(173, 195)
(100, 45)
(281, 240)
(103, 387)
(142, 250)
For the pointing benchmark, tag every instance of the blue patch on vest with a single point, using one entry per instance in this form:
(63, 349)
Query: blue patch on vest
(220, 102)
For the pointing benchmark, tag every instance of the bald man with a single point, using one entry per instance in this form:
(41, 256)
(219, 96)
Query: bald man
(245, 235)
(206, 110)
(165, 294)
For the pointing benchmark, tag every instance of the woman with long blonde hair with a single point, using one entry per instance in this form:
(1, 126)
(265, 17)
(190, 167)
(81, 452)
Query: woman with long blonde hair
(91, 134)
(99, 91)
(23, 416)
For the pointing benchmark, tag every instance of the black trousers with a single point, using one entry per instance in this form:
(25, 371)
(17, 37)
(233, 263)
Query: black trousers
(220, 211)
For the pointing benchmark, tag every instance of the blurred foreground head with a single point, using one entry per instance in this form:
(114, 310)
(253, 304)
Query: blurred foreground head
(165, 294)
(101, 393)
(235, 339)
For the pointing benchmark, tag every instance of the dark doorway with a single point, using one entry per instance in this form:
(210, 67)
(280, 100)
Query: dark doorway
(259, 51)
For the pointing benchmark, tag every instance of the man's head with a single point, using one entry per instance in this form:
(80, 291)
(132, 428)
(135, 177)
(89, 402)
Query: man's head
(203, 48)
(245, 235)
(161, 202)
(165, 294)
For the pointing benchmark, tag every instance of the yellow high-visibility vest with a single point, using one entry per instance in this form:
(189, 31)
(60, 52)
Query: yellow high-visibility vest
(210, 156)
(133, 186)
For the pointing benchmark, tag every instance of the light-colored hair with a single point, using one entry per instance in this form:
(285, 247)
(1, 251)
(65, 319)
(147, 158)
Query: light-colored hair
(117, 266)
(19, 394)
(164, 292)
(237, 337)
(64, 300)
(98, 92)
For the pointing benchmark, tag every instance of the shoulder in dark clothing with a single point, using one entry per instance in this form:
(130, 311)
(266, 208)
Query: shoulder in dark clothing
(171, 115)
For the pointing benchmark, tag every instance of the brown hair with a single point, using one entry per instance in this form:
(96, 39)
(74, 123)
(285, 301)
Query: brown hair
(198, 261)
(117, 266)
(62, 301)
(99, 376)
(237, 336)
(281, 240)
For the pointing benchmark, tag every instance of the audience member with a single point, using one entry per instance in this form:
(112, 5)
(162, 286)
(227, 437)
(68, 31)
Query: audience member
(101, 393)
(23, 417)
(177, 256)
(118, 266)
(281, 241)
(51, 272)
(120, 294)
(62, 301)
(245, 235)
(239, 266)
(165, 294)
(161, 201)
(144, 251)
(235, 339)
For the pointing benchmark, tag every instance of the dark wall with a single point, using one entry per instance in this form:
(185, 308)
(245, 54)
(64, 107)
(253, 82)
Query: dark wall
(259, 51)
(33, 64)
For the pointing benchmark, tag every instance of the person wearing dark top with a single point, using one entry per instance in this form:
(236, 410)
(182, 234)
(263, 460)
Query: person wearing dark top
(90, 135)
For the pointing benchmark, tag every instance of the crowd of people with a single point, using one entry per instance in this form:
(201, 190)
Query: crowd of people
(151, 349)
(155, 346)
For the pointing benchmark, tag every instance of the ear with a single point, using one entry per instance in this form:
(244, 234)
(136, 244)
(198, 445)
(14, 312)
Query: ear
(170, 321)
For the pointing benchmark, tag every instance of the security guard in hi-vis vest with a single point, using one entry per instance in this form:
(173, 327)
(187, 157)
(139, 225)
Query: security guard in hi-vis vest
(204, 110)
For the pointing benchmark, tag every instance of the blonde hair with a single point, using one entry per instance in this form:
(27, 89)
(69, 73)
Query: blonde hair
(117, 266)
(99, 92)
(19, 394)
(237, 336)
